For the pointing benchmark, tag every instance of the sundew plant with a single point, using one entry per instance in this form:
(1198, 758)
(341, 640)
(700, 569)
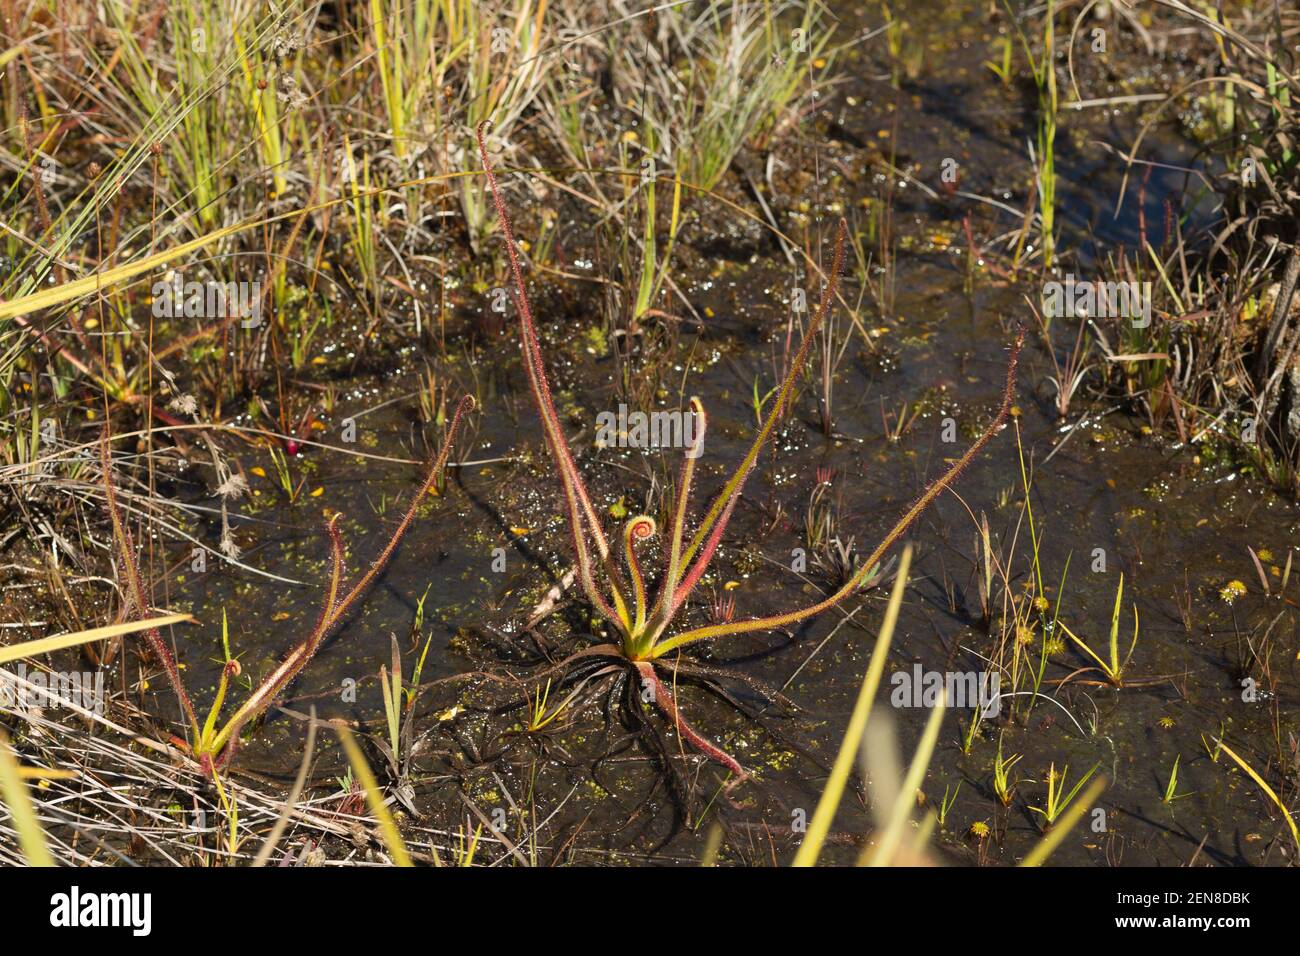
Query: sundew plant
(538, 433)
(644, 616)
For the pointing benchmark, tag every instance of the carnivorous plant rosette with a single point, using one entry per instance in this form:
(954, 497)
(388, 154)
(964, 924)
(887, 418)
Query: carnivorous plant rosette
(646, 624)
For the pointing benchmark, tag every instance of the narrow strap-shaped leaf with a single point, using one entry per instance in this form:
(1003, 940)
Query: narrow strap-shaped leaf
(13, 792)
(47, 645)
(721, 509)
(577, 500)
(135, 587)
(336, 610)
(918, 507)
(673, 555)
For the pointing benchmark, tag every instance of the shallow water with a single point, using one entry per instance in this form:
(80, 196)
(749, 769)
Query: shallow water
(1178, 527)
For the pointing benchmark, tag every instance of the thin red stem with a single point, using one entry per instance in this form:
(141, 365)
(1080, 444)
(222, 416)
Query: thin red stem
(664, 701)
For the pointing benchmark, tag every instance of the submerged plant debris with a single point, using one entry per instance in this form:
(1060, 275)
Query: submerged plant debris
(988, 559)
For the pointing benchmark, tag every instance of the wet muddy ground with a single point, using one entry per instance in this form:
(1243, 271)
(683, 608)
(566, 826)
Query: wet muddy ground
(1175, 519)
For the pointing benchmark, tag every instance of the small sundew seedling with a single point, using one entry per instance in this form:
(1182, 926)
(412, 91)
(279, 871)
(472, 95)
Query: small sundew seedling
(642, 621)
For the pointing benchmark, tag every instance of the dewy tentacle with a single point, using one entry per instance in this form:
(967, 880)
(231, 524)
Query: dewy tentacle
(918, 507)
(673, 553)
(577, 500)
(135, 587)
(722, 505)
(337, 609)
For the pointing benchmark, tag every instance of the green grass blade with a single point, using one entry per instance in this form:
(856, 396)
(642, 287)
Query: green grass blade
(387, 827)
(46, 645)
(1114, 627)
(1290, 820)
(31, 838)
(896, 826)
(1057, 833)
(819, 826)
